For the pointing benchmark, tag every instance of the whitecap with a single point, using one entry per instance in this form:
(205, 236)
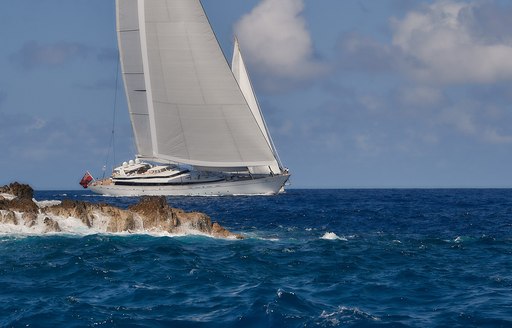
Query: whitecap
(268, 239)
(252, 235)
(345, 314)
(461, 239)
(332, 236)
(46, 203)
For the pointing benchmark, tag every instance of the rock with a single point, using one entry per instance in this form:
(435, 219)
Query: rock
(51, 225)
(120, 220)
(19, 190)
(156, 214)
(221, 232)
(150, 214)
(19, 205)
(71, 208)
(29, 219)
(195, 221)
(4, 190)
(7, 216)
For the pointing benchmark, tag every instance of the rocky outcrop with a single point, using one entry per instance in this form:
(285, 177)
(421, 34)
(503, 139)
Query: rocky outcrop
(23, 205)
(20, 198)
(20, 191)
(74, 209)
(150, 214)
(156, 214)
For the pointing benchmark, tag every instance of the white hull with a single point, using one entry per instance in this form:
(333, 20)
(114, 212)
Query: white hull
(261, 186)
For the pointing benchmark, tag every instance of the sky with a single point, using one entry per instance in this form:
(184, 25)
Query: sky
(356, 93)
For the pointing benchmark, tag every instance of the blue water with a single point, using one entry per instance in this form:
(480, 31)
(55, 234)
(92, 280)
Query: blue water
(395, 258)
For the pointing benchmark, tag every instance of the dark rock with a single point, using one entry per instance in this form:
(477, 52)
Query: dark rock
(19, 204)
(19, 190)
(51, 225)
(120, 220)
(154, 207)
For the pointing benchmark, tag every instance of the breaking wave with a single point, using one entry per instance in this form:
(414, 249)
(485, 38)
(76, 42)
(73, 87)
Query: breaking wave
(332, 236)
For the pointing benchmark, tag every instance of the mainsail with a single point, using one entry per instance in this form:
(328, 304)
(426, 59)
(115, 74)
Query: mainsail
(130, 51)
(185, 104)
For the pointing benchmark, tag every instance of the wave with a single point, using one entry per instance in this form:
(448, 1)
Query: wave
(345, 315)
(75, 227)
(332, 236)
(19, 224)
(46, 203)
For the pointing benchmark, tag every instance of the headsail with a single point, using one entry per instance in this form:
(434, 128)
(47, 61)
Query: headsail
(192, 104)
(242, 77)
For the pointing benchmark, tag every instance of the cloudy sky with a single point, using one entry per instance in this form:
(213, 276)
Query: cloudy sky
(356, 93)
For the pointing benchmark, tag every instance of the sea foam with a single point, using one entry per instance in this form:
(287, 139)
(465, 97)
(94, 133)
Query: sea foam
(332, 236)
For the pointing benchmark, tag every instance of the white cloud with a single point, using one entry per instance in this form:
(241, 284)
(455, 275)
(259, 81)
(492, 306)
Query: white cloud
(441, 39)
(275, 36)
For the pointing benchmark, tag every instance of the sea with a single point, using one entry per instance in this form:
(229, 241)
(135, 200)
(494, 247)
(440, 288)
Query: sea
(310, 258)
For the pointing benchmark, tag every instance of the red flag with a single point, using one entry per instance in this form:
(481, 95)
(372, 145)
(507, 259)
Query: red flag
(86, 180)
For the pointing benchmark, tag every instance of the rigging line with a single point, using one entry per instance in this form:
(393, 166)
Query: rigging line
(112, 145)
(114, 114)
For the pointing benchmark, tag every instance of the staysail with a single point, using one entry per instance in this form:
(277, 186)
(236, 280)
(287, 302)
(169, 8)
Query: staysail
(182, 90)
(244, 82)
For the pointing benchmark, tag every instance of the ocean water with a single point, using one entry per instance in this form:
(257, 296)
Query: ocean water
(311, 258)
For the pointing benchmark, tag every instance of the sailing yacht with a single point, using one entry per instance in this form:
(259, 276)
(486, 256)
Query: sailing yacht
(198, 127)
